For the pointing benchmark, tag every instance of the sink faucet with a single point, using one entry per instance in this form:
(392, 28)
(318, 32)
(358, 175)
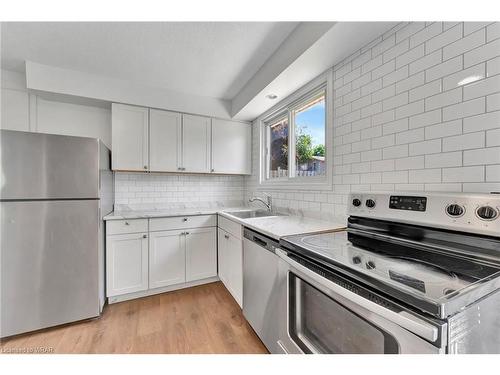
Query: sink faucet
(268, 204)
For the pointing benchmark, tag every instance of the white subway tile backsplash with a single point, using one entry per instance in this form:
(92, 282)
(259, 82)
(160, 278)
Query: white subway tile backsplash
(382, 165)
(490, 155)
(410, 109)
(483, 53)
(444, 129)
(444, 69)
(493, 173)
(424, 119)
(424, 175)
(400, 151)
(470, 27)
(464, 109)
(382, 142)
(482, 88)
(416, 109)
(493, 102)
(493, 137)
(475, 72)
(425, 62)
(425, 147)
(397, 50)
(425, 91)
(493, 32)
(414, 135)
(395, 177)
(410, 82)
(412, 162)
(463, 174)
(490, 120)
(395, 76)
(481, 187)
(426, 34)
(395, 126)
(464, 142)
(493, 67)
(443, 99)
(441, 40)
(465, 44)
(444, 159)
(409, 30)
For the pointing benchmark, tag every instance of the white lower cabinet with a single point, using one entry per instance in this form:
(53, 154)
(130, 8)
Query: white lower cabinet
(170, 255)
(230, 251)
(167, 258)
(126, 263)
(201, 253)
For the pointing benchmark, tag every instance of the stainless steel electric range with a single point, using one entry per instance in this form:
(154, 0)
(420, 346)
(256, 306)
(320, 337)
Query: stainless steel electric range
(414, 273)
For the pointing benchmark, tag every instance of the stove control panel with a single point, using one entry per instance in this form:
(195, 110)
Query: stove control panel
(469, 212)
(408, 203)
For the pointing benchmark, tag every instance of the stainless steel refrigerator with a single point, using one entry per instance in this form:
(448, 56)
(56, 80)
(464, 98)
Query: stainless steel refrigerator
(55, 190)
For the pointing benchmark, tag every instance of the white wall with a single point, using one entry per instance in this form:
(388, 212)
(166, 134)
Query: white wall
(21, 110)
(402, 122)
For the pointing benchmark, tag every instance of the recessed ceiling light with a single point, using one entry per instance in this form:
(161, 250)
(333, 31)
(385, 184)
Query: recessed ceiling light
(272, 96)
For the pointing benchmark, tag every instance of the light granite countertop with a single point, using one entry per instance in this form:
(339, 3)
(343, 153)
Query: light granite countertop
(272, 226)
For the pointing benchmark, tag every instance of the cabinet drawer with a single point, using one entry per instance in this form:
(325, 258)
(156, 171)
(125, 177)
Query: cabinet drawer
(182, 222)
(126, 226)
(230, 226)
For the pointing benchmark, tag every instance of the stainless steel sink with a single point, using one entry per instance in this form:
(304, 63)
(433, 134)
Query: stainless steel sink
(253, 214)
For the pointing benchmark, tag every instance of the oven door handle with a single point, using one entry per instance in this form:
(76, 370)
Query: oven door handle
(403, 319)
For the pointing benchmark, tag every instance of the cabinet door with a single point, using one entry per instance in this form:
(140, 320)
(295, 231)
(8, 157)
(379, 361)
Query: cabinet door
(129, 129)
(164, 141)
(196, 143)
(201, 254)
(126, 263)
(222, 257)
(231, 147)
(167, 258)
(231, 264)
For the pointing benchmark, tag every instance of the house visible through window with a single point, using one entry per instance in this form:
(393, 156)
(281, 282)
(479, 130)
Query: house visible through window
(296, 139)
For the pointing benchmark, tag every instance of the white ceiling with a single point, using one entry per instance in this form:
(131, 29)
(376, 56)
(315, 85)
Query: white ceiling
(213, 59)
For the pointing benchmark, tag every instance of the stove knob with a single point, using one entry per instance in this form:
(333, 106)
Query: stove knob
(487, 213)
(356, 260)
(455, 210)
(356, 202)
(370, 264)
(370, 203)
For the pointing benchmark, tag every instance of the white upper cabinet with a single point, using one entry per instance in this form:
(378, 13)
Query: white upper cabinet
(130, 138)
(153, 140)
(165, 135)
(196, 143)
(231, 147)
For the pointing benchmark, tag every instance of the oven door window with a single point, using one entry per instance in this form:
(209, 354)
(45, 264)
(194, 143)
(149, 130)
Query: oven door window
(319, 324)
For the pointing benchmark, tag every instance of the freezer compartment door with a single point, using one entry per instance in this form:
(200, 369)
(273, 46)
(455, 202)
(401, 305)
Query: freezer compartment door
(47, 166)
(49, 264)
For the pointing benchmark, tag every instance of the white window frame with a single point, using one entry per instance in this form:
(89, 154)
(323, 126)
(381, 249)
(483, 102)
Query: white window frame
(287, 106)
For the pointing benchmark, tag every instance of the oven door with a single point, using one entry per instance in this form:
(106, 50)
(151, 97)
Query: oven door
(324, 317)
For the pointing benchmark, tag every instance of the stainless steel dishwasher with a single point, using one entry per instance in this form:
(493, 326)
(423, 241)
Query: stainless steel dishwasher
(261, 289)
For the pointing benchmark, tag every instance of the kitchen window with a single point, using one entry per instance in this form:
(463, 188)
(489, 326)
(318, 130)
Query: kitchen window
(294, 141)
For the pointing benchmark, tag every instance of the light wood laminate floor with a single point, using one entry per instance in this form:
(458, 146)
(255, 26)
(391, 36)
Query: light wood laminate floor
(202, 319)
